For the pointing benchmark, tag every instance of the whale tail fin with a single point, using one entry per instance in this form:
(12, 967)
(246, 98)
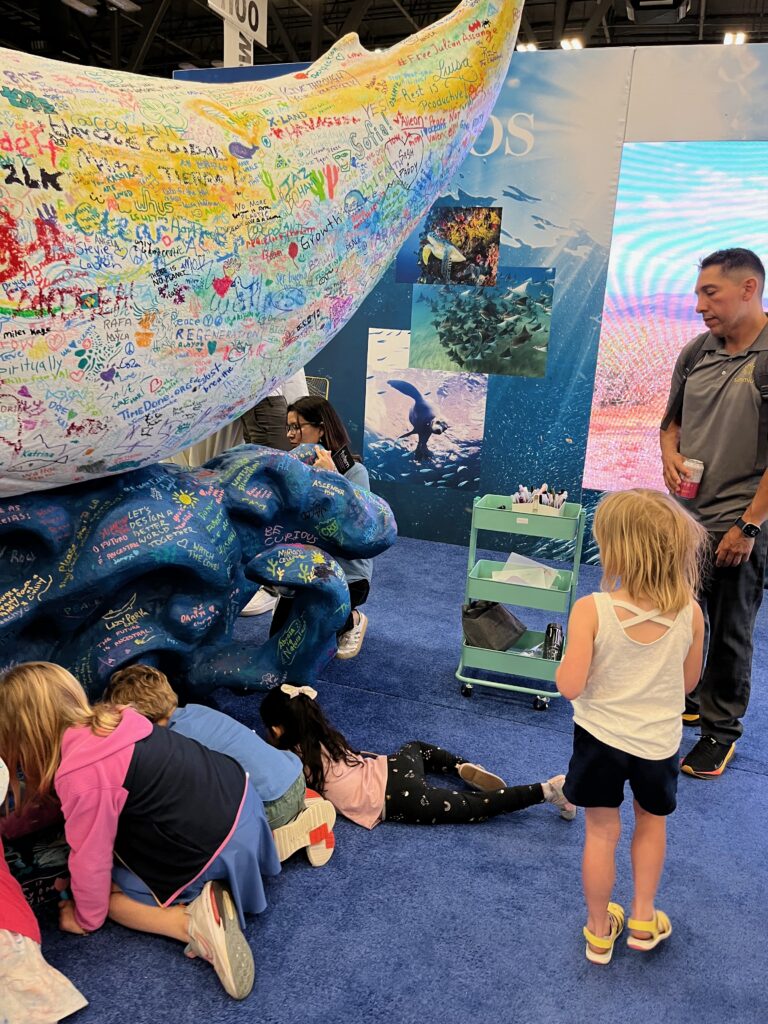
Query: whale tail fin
(406, 388)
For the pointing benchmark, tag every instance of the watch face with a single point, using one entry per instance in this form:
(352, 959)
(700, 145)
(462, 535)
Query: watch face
(751, 530)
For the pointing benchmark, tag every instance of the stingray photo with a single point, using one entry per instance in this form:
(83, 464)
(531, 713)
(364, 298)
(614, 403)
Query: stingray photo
(454, 245)
(502, 330)
(425, 427)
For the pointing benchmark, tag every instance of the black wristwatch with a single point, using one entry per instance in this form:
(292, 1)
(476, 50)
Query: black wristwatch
(748, 529)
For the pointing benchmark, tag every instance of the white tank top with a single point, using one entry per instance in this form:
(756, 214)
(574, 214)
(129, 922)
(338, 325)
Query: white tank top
(635, 695)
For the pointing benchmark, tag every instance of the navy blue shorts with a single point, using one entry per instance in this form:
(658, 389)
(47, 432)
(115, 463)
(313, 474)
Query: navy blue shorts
(597, 773)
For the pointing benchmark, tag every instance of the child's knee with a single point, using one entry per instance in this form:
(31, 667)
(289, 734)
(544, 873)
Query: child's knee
(645, 819)
(603, 822)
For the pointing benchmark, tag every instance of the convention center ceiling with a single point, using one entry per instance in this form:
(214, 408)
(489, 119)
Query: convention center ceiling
(158, 36)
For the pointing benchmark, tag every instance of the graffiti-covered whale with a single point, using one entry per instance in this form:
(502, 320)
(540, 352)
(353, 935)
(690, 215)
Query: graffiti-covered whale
(169, 251)
(423, 419)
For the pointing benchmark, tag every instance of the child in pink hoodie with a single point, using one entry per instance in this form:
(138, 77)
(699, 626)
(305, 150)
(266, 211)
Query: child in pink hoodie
(31, 991)
(181, 821)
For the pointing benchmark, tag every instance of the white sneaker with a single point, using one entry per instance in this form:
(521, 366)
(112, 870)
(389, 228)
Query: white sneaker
(261, 602)
(313, 829)
(351, 641)
(215, 935)
(553, 794)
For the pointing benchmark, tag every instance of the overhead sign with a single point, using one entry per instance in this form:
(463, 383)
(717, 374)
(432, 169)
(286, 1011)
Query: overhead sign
(249, 17)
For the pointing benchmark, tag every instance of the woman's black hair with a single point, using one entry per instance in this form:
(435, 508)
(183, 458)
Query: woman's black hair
(305, 731)
(320, 413)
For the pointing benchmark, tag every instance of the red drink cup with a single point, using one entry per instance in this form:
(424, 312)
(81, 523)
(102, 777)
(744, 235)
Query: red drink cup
(689, 487)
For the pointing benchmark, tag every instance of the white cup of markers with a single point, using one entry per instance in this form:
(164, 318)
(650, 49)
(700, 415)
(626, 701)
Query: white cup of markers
(689, 486)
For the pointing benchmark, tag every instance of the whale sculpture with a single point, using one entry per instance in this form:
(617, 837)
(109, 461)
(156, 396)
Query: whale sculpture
(170, 251)
(154, 566)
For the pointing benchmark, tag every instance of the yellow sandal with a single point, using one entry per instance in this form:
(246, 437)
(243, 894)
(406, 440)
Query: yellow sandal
(660, 928)
(605, 942)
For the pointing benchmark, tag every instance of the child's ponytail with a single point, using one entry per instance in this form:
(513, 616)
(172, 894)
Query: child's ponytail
(296, 722)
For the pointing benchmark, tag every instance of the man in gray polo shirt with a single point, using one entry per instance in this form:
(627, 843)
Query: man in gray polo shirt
(719, 425)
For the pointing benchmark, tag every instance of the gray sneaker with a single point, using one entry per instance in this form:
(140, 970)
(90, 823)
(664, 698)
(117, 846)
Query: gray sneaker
(215, 935)
(553, 794)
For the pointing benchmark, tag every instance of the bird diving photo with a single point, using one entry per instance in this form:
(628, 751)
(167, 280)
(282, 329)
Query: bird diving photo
(425, 427)
(502, 330)
(453, 245)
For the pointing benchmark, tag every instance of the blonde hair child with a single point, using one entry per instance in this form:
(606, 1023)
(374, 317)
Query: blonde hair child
(299, 820)
(634, 650)
(117, 776)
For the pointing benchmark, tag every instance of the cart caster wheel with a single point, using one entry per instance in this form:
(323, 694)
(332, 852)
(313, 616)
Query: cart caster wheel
(466, 690)
(540, 703)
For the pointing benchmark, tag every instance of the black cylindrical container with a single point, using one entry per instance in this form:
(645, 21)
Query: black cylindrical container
(553, 641)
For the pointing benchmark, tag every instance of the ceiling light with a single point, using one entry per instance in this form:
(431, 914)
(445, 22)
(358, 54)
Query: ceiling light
(572, 44)
(527, 47)
(734, 38)
(125, 5)
(81, 7)
(186, 66)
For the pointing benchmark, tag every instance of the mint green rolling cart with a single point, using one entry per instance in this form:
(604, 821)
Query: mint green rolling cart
(568, 526)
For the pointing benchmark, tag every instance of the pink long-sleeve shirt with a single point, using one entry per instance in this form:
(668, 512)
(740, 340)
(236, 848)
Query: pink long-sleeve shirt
(89, 783)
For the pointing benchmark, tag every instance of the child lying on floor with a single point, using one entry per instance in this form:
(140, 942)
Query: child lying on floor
(276, 775)
(31, 991)
(370, 788)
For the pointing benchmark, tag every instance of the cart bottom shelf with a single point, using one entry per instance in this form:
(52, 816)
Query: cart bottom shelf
(513, 662)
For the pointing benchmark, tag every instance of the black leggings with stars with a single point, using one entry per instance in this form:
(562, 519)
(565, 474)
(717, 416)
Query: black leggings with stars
(410, 798)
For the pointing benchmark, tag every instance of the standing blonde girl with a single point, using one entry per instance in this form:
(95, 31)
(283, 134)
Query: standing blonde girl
(634, 651)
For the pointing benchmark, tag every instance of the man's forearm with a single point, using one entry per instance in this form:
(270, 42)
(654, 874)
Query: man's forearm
(669, 439)
(757, 510)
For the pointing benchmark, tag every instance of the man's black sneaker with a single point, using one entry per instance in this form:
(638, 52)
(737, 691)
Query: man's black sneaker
(689, 717)
(708, 758)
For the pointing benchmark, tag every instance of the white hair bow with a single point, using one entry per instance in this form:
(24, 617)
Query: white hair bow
(294, 691)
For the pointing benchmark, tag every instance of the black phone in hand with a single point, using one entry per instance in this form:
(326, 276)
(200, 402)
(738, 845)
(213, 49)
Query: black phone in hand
(342, 459)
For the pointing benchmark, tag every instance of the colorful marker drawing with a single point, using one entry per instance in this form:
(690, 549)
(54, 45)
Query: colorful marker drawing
(170, 251)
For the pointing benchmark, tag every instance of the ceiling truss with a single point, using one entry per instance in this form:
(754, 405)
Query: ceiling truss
(166, 33)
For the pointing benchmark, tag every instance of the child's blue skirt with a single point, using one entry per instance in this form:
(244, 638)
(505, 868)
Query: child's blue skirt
(248, 855)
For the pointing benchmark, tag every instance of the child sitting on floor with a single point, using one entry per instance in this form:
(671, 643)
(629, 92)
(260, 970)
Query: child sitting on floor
(633, 653)
(370, 788)
(31, 991)
(276, 775)
(179, 822)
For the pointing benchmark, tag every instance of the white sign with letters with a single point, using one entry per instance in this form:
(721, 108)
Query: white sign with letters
(249, 17)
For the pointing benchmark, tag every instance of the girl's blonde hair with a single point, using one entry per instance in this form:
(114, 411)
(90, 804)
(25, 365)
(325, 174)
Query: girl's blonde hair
(39, 701)
(650, 546)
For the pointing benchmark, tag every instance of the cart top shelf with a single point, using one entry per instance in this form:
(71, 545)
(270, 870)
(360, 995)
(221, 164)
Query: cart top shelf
(498, 512)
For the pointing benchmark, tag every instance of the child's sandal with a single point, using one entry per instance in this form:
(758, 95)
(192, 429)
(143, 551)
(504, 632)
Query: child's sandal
(660, 928)
(605, 942)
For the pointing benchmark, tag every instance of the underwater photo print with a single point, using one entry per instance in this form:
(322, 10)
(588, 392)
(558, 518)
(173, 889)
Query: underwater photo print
(387, 349)
(501, 330)
(425, 427)
(453, 245)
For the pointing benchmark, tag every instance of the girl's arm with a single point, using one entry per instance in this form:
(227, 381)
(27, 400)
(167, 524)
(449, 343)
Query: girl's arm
(91, 820)
(571, 676)
(695, 657)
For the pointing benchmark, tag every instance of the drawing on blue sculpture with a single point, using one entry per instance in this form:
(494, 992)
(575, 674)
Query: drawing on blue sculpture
(155, 565)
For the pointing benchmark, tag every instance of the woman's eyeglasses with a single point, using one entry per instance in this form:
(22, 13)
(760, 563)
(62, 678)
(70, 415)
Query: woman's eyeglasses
(296, 428)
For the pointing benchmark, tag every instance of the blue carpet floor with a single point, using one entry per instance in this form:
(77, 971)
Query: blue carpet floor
(446, 925)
